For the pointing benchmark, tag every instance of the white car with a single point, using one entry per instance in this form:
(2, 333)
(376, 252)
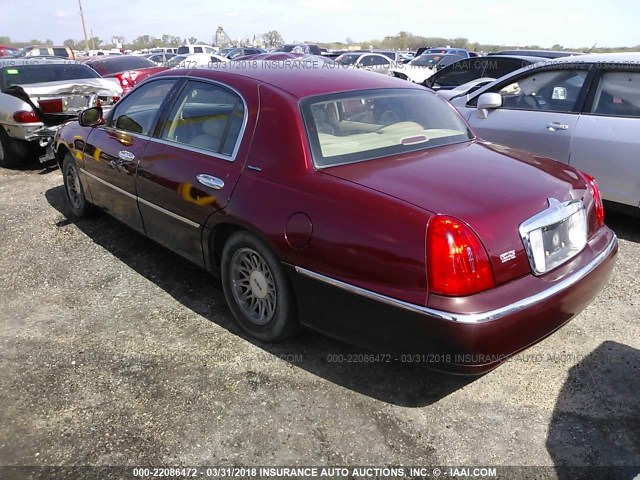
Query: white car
(582, 110)
(373, 62)
(422, 67)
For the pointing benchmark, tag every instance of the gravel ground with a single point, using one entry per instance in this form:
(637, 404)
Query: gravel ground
(115, 351)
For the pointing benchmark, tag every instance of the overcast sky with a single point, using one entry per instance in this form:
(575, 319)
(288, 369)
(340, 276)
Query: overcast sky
(571, 23)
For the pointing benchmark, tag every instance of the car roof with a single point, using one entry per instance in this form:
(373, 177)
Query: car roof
(21, 61)
(304, 80)
(537, 53)
(620, 57)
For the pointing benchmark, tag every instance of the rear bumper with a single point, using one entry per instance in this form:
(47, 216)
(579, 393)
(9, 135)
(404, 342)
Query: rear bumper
(470, 334)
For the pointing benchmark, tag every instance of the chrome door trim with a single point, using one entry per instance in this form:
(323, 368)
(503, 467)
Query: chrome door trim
(104, 182)
(168, 212)
(142, 200)
(473, 318)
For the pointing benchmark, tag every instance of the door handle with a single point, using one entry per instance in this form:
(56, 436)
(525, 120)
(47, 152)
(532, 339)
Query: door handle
(555, 126)
(209, 181)
(126, 156)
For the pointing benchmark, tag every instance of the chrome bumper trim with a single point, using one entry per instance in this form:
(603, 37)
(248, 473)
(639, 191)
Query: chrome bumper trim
(473, 318)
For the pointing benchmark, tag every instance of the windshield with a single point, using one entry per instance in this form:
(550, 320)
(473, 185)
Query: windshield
(356, 126)
(28, 74)
(348, 58)
(427, 60)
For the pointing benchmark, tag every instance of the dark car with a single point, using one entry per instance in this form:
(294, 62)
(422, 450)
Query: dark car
(467, 70)
(538, 53)
(307, 48)
(355, 204)
(235, 52)
(128, 69)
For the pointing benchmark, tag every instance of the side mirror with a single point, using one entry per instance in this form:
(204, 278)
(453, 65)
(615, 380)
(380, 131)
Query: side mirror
(486, 102)
(91, 117)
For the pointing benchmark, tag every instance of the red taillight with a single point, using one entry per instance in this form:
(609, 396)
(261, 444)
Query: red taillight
(26, 116)
(124, 80)
(457, 262)
(597, 198)
(52, 105)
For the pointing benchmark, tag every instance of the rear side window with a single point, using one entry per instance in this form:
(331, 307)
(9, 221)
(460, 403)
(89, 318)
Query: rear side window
(61, 52)
(618, 95)
(197, 50)
(206, 116)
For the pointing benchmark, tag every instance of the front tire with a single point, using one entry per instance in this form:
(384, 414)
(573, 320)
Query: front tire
(74, 191)
(257, 289)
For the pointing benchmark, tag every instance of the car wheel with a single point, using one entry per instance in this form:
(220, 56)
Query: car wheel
(74, 191)
(9, 157)
(257, 289)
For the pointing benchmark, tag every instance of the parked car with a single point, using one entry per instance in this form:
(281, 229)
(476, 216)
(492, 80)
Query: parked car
(356, 204)
(191, 49)
(195, 60)
(464, 71)
(37, 95)
(582, 111)
(129, 70)
(538, 53)
(45, 51)
(421, 68)
(235, 52)
(444, 51)
(7, 51)
(272, 59)
(393, 55)
(159, 58)
(373, 62)
(306, 48)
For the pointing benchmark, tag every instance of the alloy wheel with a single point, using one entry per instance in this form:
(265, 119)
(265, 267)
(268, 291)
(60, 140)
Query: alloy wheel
(253, 286)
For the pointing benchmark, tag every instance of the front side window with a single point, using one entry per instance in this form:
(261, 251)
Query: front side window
(206, 116)
(136, 112)
(60, 52)
(552, 90)
(356, 126)
(618, 95)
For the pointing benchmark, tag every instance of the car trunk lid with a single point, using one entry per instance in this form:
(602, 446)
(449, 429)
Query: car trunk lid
(492, 188)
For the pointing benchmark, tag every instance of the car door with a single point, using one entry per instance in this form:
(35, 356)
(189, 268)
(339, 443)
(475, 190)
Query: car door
(605, 142)
(112, 151)
(192, 164)
(539, 112)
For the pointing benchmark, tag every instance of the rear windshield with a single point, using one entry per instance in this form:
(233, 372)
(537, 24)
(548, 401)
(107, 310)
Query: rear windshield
(120, 64)
(28, 74)
(356, 126)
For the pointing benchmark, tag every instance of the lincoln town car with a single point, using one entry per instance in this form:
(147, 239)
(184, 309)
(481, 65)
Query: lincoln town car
(358, 205)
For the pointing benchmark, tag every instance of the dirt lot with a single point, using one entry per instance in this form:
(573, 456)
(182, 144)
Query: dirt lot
(115, 351)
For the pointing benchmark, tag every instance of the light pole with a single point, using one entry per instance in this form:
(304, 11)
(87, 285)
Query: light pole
(84, 28)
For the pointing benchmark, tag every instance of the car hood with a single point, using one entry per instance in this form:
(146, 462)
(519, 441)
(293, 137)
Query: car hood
(413, 73)
(490, 187)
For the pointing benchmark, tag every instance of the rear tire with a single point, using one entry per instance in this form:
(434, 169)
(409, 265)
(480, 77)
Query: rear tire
(10, 156)
(74, 191)
(257, 289)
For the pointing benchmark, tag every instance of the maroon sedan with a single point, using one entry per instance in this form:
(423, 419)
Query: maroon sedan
(129, 70)
(355, 204)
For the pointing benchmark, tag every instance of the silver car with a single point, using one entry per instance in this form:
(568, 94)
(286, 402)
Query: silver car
(38, 95)
(373, 62)
(583, 111)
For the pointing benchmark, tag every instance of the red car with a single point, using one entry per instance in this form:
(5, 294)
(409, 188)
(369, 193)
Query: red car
(355, 204)
(130, 70)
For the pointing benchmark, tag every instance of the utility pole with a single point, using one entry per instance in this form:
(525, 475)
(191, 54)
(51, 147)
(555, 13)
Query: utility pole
(84, 28)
